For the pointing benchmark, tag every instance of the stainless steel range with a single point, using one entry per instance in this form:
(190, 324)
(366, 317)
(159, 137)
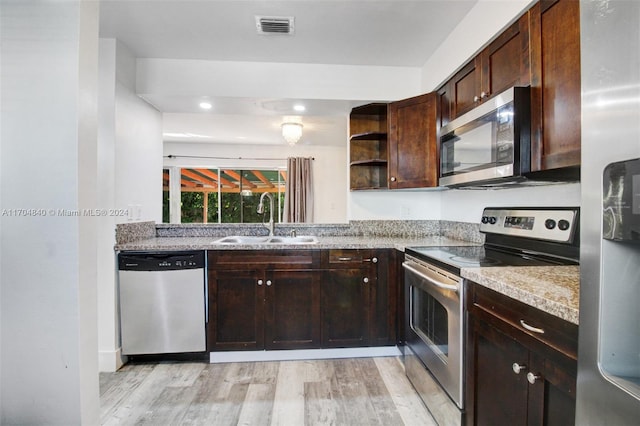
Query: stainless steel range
(434, 294)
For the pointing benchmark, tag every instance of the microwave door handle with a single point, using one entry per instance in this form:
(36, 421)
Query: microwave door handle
(436, 283)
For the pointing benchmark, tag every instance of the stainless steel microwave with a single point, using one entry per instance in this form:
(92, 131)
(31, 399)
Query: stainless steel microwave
(491, 144)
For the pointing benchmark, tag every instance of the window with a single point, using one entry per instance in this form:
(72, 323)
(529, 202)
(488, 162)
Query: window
(214, 195)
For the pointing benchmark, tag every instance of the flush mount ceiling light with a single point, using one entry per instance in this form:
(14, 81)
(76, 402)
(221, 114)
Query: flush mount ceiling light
(205, 105)
(291, 132)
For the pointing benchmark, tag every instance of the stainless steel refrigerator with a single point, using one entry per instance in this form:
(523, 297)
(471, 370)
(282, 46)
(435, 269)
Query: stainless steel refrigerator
(608, 391)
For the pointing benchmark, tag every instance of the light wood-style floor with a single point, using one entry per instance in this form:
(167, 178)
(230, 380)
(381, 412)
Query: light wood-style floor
(354, 391)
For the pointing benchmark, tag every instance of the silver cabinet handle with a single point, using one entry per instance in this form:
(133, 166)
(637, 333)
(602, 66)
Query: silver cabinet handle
(372, 260)
(483, 95)
(260, 282)
(365, 280)
(532, 378)
(393, 179)
(517, 368)
(476, 98)
(344, 259)
(268, 282)
(530, 328)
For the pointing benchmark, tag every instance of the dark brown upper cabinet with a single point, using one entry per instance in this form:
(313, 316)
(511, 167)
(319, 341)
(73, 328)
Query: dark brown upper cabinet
(542, 50)
(413, 158)
(502, 64)
(555, 84)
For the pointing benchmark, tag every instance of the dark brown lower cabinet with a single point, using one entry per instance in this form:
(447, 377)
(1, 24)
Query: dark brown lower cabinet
(253, 310)
(263, 300)
(345, 307)
(292, 310)
(515, 376)
(300, 299)
(359, 298)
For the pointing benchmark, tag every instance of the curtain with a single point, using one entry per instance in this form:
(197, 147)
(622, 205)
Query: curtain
(298, 193)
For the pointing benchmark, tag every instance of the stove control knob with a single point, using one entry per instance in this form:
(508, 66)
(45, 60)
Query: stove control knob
(492, 220)
(485, 219)
(563, 225)
(549, 223)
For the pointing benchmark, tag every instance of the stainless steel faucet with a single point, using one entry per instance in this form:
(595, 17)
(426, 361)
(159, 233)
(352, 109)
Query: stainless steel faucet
(261, 210)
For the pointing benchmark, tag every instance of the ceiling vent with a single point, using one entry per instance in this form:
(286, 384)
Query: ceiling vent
(274, 24)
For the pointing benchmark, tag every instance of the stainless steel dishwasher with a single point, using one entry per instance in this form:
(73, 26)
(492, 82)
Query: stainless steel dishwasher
(162, 302)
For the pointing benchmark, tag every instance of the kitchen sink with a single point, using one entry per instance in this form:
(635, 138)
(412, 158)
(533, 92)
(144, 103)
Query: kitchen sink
(242, 239)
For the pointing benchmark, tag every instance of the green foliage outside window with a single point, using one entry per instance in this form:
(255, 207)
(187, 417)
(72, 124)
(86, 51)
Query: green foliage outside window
(192, 206)
(234, 202)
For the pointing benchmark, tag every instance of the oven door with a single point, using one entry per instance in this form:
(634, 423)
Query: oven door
(434, 326)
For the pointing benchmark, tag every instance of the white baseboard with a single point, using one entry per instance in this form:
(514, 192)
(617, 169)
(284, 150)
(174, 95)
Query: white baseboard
(110, 361)
(302, 354)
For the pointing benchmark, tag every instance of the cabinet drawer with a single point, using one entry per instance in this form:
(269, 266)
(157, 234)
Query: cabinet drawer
(282, 259)
(348, 258)
(542, 329)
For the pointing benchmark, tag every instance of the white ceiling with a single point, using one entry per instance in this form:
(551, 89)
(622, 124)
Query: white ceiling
(356, 32)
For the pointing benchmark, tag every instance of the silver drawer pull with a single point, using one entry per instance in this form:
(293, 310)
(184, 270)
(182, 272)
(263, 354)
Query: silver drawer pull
(530, 328)
(372, 260)
(344, 259)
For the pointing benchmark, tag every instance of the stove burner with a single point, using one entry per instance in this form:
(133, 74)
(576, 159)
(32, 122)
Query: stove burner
(484, 261)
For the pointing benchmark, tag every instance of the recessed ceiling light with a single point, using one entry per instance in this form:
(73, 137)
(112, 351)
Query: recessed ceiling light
(299, 108)
(205, 105)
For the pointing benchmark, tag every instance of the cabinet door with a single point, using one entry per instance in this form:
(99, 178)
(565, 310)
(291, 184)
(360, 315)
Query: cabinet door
(384, 297)
(499, 395)
(505, 62)
(413, 161)
(236, 311)
(445, 105)
(555, 84)
(552, 395)
(345, 307)
(465, 87)
(292, 310)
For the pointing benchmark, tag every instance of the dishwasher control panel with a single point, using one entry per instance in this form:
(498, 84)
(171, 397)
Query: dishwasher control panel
(161, 261)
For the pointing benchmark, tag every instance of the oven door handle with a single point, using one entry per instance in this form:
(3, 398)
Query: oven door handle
(436, 283)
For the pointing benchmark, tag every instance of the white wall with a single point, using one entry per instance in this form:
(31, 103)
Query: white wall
(48, 268)
(394, 205)
(329, 174)
(275, 80)
(129, 178)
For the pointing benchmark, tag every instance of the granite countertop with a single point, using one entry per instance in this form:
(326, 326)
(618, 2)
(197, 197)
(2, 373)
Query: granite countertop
(552, 289)
(324, 242)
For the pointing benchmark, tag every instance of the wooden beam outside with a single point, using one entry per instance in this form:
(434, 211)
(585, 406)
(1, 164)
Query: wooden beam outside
(239, 178)
(188, 183)
(196, 188)
(204, 180)
(215, 176)
(263, 178)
